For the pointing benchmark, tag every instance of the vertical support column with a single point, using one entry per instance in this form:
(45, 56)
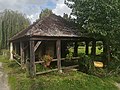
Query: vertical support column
(104, 47)
(106, 51)
(15, 47)
(11, 50)
(22, 54)
(58, 50)
(93, 49)
(76, 49)
(32, 59)
(87, 48)
(109, 54)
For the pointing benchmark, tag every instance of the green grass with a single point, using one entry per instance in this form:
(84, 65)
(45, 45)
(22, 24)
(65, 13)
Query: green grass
(81, 49)
(69, 80)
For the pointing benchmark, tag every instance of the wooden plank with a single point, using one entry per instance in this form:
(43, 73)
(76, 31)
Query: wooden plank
(37, 45)
(17, 62)
(73, 58)
(58, 50)
(32, 59)
(48, 71)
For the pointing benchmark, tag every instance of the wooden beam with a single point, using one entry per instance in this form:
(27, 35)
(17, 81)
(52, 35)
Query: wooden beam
(93, 49)
(62, 38)
(108, 54)
(11, 50)
(17, 62)
(15, 47)
(22, 54)
(76, 49)
(32, 59)
(87, 48)
(105, 52)
(73, 58)
(58, 50)
(48, 71)
(37, 45)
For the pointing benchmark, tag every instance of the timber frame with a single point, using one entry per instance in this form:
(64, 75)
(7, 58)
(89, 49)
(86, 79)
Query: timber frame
(31, 47)
(26, 43)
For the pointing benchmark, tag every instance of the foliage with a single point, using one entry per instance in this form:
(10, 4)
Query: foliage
(86, 63)
(47, 60)
(11, 22)
(114, 67)
(99, 18)
(45, 13)
(67, 17)
(69, 55)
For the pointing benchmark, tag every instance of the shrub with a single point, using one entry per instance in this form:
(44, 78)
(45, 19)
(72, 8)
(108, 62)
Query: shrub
(47, 60)
(86, 63)
(69, 55)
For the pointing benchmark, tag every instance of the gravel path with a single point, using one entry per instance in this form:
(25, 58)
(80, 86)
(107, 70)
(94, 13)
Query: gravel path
(3, 79)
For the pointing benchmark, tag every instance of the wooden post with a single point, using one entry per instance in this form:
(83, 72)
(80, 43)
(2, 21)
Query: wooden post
(22, 54)
(93, 49)
(32, 59)
(106, 52)
(76, 49)
(104, 47)
(15, 47)
(58, 50)
(87, 48)
(11, 50)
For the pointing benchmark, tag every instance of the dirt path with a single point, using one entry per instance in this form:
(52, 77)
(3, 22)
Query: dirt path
(3, 79)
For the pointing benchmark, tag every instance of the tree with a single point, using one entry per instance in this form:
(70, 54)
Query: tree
(65, 16)
(46, 12)
(100, 18)
(11, 22)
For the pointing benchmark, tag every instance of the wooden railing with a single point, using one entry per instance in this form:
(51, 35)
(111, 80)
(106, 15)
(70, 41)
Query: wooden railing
(56, 69)
(73, 58)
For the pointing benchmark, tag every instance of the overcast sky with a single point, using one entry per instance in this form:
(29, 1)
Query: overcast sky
(32, 8)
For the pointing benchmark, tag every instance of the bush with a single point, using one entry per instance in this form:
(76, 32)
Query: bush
(86, 63)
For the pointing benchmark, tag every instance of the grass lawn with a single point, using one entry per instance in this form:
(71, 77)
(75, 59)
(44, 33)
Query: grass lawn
(69, 80)
(81, 49)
